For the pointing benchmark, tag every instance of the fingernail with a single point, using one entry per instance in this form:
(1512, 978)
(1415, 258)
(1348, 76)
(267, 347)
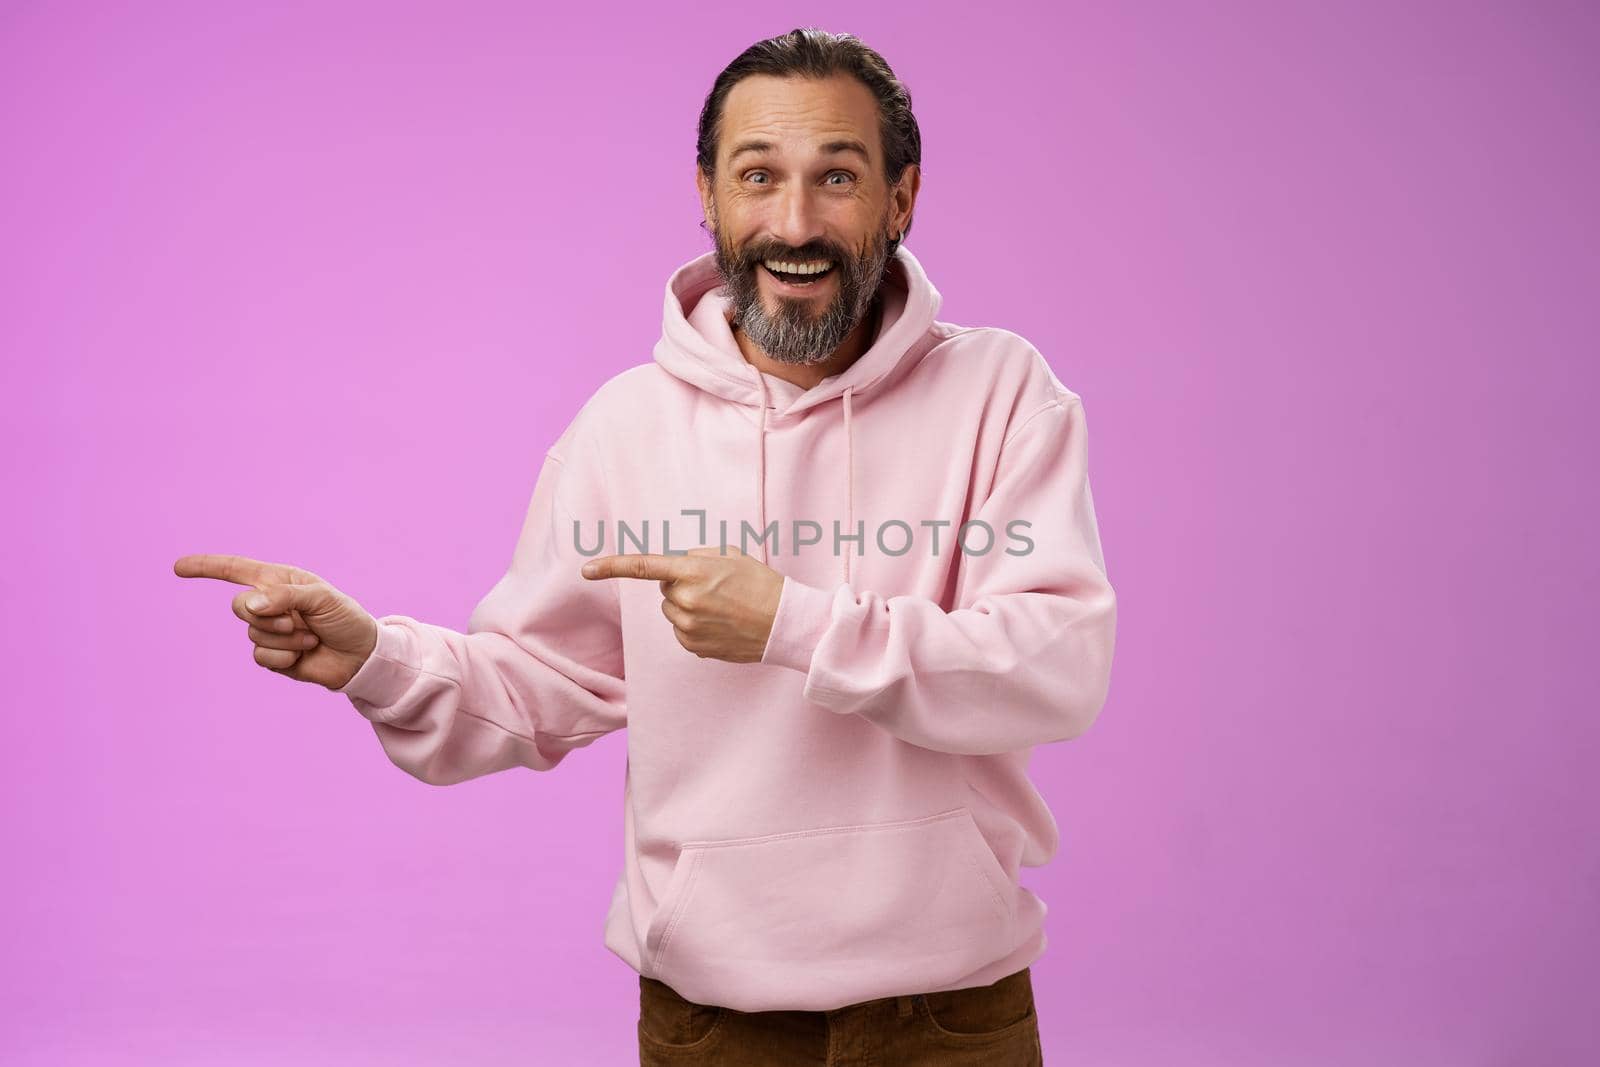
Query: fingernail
(256, 603)
(308, 640)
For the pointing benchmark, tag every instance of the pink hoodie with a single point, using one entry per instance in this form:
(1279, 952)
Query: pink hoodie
(844, 820)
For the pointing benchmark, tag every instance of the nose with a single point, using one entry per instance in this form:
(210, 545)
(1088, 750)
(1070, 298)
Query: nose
(797, 221)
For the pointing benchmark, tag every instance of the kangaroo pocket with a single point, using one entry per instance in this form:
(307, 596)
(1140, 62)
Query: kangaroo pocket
(816, 919)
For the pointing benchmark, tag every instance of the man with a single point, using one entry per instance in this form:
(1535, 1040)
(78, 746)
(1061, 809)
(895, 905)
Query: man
(826, 799)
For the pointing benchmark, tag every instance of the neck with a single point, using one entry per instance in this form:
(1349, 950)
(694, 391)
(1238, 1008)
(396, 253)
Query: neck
(806, 375)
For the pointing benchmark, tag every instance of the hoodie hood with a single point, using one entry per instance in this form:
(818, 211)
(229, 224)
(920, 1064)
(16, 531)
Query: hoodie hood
(697, 346)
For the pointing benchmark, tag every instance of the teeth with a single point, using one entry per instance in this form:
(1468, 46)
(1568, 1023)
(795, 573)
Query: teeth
(798, 268)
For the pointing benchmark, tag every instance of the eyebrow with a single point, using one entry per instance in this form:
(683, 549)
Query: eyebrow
(828, 148)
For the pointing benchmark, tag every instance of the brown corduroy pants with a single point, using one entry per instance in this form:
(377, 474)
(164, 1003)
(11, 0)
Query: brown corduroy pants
(995, 1025)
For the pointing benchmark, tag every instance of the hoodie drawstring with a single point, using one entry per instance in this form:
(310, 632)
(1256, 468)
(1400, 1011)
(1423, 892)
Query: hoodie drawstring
(761, 467)
(849, 474)
(849, 483)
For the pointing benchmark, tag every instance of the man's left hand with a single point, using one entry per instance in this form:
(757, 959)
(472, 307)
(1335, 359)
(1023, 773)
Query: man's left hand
(721, 602)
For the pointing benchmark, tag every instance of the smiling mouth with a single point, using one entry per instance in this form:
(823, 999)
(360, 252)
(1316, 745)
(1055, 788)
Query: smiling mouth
(797, 281)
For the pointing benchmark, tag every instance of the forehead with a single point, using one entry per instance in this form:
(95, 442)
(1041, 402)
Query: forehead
(797, 114)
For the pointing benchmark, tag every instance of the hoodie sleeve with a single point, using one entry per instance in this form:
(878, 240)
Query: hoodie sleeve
(537, 674)
(1023, 660)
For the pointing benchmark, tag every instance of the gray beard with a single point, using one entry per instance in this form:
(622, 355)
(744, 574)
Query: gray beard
(795, 335)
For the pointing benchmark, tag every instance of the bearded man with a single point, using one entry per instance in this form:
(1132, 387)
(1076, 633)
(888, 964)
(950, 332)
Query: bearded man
(826, 803)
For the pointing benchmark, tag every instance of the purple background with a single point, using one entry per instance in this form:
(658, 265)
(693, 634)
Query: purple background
(320, 284)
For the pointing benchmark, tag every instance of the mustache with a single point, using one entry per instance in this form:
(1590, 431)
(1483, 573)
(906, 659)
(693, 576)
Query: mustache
(755, 256)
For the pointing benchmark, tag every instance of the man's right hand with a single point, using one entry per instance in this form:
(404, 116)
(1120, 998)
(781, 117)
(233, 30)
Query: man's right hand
(303, 627)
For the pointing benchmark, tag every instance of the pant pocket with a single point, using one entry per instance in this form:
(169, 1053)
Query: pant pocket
(669, 1023)
(816, 919)
(997, 1012)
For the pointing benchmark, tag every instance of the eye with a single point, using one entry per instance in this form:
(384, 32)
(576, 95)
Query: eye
(752, 173)
(845, 173)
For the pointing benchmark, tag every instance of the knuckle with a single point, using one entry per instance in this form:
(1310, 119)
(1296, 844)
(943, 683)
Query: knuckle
(275, 658)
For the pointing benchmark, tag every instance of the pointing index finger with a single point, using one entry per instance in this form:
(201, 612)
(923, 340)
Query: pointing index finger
(239, 569)
(637, 565)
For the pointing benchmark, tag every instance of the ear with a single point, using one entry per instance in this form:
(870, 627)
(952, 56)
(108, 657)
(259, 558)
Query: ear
(905, 197)
(708, 206)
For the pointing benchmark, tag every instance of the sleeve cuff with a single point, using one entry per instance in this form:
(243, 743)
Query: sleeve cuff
(386, 675)
(804, 614)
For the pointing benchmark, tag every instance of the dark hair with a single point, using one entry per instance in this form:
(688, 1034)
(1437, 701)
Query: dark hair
(813, 53)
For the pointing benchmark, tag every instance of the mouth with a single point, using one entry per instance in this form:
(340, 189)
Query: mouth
(807, 278)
